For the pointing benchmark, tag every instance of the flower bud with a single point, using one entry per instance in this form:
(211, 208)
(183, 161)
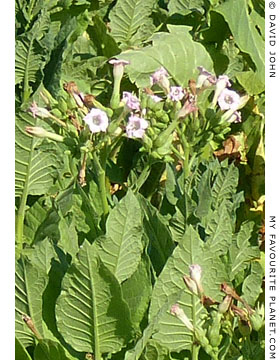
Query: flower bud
(244, 327)
(195, 273)
(42, 133)
(191, 285)
(205, 79)
(221, 84)
(160, 77)
(179, 313)
(38, 111)
(225, 304)
(256, 321)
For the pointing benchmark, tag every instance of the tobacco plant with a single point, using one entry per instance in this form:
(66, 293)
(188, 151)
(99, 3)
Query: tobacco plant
(139, 179)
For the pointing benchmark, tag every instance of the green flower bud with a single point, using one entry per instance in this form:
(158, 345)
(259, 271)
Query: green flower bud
(213, 332)
(224, 305)
(62, 105)
(56, 113)
(244, 327)
(256, 321)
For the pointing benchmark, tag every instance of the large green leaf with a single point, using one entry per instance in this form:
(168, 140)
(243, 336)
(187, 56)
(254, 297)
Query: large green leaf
(20, 352)
(91, 314)
(249, 41)
(241, 251)
(30, 55)
(34, 167)
(181, 57)
(170, 288)
(161, 244)
(122, 247)
(129, 17)
(184, 7)
(30, 283)
(252, 285)
(137, 291)
(50, 350)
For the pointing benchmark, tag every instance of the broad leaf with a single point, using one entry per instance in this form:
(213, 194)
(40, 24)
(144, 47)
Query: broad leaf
(42, 255)
(161, 244)
(30, 282)
(91, 315)
(20, 352)
(122, 247)
(34, 168)
(128, 17)
(241, 251)
(50, 350)
(248, 40)
(170, 288)
(184, 7)
(252, 285)
(181, 57)
(137, 291)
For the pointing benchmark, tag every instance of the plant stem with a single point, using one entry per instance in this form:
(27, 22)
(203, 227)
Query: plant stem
(101, 182)
(195, 348)
(143, 176)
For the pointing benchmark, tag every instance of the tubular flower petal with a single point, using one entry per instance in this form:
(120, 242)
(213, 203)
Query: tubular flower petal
(118, 66)
(228, 100)
(131, 101)
(179, 313)
(221, 84)
(136, 127)
(156, 98)
(205, 78)
(97, 120)
(176, 93)
(160, 77)
(195, 274)
(191, 285)
(38, 111)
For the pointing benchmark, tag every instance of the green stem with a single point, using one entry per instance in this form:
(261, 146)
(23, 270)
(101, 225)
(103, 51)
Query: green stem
(195, 347)
(101, 182)
(186, 161)
(143, 176)
(115, 99)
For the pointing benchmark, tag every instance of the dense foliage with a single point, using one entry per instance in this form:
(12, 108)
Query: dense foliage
(139, 179)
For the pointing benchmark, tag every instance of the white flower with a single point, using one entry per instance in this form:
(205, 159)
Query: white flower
(97, 120)
(228, 100)
(136, 127)
(118, 67)
(176, 93)
(156, 98)
(195, 274)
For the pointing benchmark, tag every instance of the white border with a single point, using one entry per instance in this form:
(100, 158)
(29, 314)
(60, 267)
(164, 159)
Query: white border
(272, 171)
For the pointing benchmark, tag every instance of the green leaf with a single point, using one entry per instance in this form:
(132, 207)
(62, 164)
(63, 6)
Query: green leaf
(241, 251)
(35, 168)
(248, 40)
(122, 247)
(137, 291)
(225, 184)
(68, 241)
(184, 7)
(252, 285)
(50, 350)
(90, 312)
(160, 240)
(30, 55)
(219, 229)
(181, 57)
(42, 255)
(20, 352)
(31, 282)
(204, 195)
(170, 288)
(102, 39)
(128, 17)
(155, 351)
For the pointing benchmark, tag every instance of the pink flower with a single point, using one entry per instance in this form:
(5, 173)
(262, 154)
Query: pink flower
(97, 120)
(221, 84)
(176, 93)
(160, 77)
(156, 98)
(136, 127)
(188, 107)
(235, 117)
(228, 99)
(195, 274)
(180, 314)
(38, 111)
(131, 101)
(205, 78)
